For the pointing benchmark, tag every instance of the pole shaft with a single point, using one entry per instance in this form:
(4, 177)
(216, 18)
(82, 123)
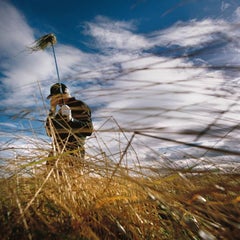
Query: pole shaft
(56, 65)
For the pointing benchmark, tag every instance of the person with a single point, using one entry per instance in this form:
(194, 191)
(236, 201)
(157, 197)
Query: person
(71, 124)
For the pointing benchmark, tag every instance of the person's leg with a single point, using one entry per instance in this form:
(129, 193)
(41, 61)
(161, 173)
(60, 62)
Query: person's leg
(79, 148)
(82, 152)
(50, 158)
(76, 151)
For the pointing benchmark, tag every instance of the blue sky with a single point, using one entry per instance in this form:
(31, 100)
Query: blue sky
(67, 18)
(158, 66)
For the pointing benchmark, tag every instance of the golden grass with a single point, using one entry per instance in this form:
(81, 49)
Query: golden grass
(65, 203)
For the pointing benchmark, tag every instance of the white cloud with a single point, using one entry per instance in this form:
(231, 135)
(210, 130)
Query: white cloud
(15, 32)
(154, 96)
(115, 35)
(237, 14)
(11, 125)
(193, 33)
(224, 6)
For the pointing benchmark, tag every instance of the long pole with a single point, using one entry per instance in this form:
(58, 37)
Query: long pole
(56, 65)
(44, 42)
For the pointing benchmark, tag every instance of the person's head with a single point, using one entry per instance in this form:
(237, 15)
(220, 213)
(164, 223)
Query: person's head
(58, 88)
(58, 92)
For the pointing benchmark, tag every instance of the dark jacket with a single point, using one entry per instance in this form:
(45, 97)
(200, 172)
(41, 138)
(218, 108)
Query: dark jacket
(80, 126)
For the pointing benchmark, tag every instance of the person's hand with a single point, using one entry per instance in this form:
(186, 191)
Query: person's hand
(55, 100)
(66, 112)
(51, 113)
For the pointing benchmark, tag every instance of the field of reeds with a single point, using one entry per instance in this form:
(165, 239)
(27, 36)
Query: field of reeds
(100, 199)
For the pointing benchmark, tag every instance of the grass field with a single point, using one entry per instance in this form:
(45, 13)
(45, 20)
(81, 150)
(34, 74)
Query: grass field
(110, 202)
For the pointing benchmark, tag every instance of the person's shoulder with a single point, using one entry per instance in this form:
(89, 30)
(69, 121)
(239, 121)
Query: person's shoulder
(74, 101)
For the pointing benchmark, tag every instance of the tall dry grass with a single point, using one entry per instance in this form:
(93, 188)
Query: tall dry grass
(102, 199)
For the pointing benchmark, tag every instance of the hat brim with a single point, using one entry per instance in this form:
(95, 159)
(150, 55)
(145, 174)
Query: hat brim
(49, 96)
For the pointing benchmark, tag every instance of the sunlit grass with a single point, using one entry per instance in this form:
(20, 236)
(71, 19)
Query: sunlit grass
(102, 199)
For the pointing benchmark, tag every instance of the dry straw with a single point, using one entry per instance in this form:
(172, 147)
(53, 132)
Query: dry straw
(44, 42)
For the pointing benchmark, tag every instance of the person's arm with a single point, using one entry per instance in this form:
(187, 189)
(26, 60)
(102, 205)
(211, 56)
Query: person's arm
(47, 126)
(83, 124)
(75, 123)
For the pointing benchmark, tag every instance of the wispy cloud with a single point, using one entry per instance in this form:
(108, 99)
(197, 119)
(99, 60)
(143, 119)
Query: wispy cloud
(15, 32)
(11, 125)
(115, 35)
(193, 33)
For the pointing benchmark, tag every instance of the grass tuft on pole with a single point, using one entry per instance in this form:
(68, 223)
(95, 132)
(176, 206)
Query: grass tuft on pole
(44, 42)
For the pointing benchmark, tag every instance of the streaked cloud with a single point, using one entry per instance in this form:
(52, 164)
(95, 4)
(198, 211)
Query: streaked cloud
(115, 35)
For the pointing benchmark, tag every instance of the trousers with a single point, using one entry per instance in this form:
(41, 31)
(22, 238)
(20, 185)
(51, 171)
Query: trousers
(69, 148)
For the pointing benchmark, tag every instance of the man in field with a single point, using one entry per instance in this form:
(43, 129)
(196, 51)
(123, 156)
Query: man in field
(69, 121)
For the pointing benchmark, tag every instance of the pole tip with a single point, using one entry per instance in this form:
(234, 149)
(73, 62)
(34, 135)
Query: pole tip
(44, 42)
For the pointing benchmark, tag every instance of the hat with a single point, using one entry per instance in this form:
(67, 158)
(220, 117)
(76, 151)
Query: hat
(57, 88)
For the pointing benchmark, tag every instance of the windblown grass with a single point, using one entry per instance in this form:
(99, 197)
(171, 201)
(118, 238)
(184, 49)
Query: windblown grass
(109, 202)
